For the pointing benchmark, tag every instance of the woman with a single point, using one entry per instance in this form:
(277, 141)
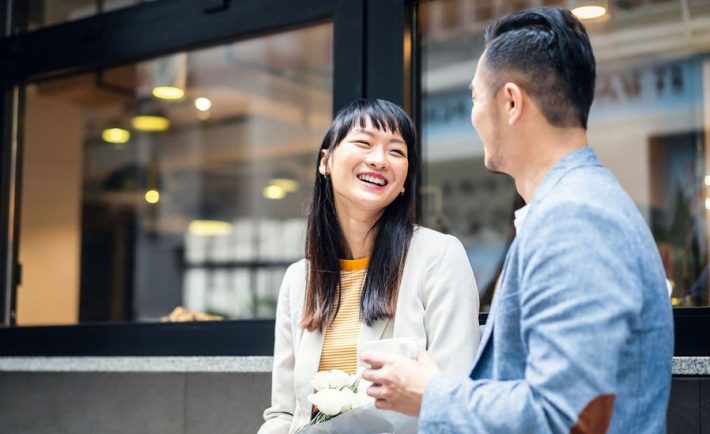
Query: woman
(370, 273)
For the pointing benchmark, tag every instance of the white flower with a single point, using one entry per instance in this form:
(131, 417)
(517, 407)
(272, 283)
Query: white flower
(333, 379)
(338, 379)
(332, 402)
(321, 380)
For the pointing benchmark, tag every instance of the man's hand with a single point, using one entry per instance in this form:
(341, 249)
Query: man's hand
(398, 382)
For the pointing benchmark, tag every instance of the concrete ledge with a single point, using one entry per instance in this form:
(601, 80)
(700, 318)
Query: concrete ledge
(691, 366)
(136, 364)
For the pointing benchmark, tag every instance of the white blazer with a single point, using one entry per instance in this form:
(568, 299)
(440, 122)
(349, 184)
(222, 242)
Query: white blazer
(437, 304)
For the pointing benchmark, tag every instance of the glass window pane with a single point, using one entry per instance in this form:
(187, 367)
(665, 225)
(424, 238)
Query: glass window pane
(136, 202)
(648, 124)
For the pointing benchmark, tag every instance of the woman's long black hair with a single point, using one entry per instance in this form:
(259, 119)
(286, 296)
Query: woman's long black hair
(392, 232)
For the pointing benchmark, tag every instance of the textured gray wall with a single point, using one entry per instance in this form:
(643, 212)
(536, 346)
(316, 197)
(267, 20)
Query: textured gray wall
(689, 410)
(97, 403)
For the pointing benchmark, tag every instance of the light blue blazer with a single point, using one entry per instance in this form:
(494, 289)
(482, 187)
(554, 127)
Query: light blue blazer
(580, 335)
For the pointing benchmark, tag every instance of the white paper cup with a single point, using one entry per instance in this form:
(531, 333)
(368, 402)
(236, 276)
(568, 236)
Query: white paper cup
(408, 347)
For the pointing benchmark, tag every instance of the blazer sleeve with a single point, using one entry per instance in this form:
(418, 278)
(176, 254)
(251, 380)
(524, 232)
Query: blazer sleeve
(451, 309)
(278, 417)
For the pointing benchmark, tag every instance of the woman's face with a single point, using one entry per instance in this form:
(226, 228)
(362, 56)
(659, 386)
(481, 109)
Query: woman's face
(367, 169)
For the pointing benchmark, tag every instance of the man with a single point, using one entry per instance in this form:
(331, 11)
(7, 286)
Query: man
(579, 338)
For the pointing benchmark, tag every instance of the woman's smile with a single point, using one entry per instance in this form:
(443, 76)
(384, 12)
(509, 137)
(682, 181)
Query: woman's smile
(373, 180)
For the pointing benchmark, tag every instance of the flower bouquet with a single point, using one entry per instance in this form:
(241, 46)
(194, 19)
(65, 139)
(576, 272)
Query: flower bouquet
(335, 393)
(345, 396)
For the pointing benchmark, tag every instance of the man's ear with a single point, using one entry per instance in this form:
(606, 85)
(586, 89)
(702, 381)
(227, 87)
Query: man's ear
(323, 167)
(512, 96)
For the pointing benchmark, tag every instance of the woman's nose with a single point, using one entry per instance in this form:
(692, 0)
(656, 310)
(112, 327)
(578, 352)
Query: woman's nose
(376, 158)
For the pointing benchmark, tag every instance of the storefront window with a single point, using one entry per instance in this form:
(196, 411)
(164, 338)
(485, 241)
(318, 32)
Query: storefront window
(649, 124)
(176, 182)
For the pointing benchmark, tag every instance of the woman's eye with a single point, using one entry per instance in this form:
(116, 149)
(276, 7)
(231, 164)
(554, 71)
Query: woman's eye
(398, 152)
(362, 143)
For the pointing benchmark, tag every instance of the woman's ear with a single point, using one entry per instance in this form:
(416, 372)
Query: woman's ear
(324, 163)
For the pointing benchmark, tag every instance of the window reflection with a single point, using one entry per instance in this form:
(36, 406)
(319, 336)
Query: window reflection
(648, 124)
(136, 202)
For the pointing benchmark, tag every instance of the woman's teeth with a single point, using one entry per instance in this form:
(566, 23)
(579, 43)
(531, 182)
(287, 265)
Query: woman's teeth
(372, 179)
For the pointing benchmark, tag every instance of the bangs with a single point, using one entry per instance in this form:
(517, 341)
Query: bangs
(383, 115)
(380, 119)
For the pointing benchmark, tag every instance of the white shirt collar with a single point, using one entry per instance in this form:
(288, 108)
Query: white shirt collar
(520, 215)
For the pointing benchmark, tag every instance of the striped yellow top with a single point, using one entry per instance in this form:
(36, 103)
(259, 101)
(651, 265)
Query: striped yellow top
(340, 340)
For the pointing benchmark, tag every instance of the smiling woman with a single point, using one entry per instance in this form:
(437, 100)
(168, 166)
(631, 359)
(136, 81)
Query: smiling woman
(370, 273)
(356, 145)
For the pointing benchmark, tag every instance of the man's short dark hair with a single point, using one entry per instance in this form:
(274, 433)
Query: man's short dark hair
(547, 52)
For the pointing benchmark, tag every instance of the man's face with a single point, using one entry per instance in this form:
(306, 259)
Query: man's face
(484, 117)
